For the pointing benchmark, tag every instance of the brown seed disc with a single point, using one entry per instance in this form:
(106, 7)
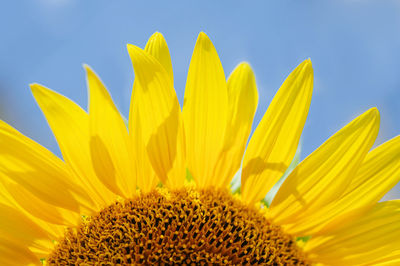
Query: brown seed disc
(179, 227)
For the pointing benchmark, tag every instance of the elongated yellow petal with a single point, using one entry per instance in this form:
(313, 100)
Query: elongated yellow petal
(16, 226)
(147, 178)
(160, 117)
(243, 99)
(323, 176)
(378, 174)
(157, 47)
(39, 171)
(12, 254)
(109, 141)
(391, 259)
(274, 142)
(372, 237)
(40, 248)
(50, 218)
(70, 125)
(205, 111)
(18, 196)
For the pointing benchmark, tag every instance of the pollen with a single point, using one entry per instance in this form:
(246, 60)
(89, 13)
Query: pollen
(185, 226)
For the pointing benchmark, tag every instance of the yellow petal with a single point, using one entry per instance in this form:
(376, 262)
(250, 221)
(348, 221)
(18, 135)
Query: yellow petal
(39, 171)
(109, 142)
(29, 205)
(391, 259)
(50, 218)
(372, 237)
(147, 178)
(19, 196)
(160, 117)
(19, 228)
(205, 111)
(243, 99)
(323, 176)
(274, 142)
(379, 172)
(12, 254)
(70, 125)
(157, 47)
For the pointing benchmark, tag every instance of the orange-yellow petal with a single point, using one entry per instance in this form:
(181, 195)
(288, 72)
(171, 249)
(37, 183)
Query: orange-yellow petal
(391, 259)
(274, 143)
(12, 254)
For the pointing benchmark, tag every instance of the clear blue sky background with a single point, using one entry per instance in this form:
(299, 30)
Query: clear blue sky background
(354, 46)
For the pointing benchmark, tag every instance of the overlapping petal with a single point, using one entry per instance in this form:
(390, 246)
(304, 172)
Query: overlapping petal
(18, 197)
(109, 141)
(70, 125)
(324, 175)
(274, 142)
(35, 168)
(160, 117)
(21, 230)
(242, 101)
(374, 236)
(379, 172)
(157, 47)
(14, 253)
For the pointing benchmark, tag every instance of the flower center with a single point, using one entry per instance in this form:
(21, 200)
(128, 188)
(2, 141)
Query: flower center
(184, 227)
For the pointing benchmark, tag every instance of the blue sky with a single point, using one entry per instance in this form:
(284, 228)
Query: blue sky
(354, 47)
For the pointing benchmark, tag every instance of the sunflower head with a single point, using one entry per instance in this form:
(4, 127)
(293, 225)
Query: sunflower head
(183, 226)
(157, 190)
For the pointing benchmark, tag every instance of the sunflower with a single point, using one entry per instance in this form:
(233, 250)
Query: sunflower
(158, 189)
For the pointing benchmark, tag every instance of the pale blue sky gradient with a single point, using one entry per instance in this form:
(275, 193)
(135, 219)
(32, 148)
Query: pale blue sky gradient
(354, 47)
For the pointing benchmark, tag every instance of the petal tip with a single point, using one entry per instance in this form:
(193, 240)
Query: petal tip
(37, 88)
(133, 49)
(372, 117)
(202, 35)
(157, 40)
(157, 35)
(307, 64)
(374, 112)
(203, 39)
(245, 65)
(34, 86)
(87, 68)
(135, 53)
(246, 68)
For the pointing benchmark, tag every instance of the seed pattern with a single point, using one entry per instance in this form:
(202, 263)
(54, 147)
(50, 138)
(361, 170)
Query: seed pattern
(179, 227)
